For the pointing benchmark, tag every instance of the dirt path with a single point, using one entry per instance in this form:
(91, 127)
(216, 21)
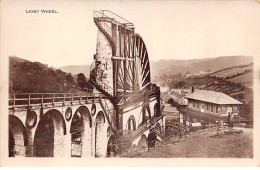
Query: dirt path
(202, 144)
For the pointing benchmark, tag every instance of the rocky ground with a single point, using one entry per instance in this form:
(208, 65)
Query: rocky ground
(207, 143)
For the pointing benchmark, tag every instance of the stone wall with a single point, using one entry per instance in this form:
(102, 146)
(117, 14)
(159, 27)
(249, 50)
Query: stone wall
(62, 136)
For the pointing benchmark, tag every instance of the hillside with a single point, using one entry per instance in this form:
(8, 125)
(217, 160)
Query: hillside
(76, 69)
(246, 79)
(242, 74)
(232, 71)
(34, 77)
(170, 67)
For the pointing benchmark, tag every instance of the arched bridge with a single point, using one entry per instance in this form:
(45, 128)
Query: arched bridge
(122, 109)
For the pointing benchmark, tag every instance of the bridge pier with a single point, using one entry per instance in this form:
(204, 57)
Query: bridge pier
(101, 135)
(30, 147)
(86, 141)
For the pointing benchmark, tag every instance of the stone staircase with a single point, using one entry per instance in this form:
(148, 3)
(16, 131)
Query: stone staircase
(103, 28)
(108, 113)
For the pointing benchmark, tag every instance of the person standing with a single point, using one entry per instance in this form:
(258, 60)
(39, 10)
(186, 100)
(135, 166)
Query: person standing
(152, 139)
(228, 120)
(231, 120)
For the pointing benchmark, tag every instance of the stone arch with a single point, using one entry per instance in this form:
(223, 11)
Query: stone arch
(18, 139)
(101, 136)
(156, 110)
(110, 146)
(49, 135)
(143, 142)
(131, 124)
(80, 130)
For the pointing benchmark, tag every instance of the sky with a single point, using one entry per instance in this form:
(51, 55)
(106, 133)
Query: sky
(170, 29)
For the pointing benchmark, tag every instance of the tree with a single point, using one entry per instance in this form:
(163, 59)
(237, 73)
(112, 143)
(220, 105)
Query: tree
(171, 101)
(180, 84)
(81, 80)
(69, 78)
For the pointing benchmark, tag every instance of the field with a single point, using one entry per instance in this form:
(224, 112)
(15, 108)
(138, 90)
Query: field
(232, 71)
(245, 79)
(201, 145)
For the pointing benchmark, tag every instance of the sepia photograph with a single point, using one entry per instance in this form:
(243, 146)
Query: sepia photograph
(86, 80)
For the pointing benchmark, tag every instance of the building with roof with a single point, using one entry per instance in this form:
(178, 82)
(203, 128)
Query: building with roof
(208, 107)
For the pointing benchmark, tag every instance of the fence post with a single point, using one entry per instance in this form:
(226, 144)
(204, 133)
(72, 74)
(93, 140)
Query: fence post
(79, 98)
(71, 99)
(63, 99)
(53, 100)
(42, 101)
(14, 101)
(29, 101)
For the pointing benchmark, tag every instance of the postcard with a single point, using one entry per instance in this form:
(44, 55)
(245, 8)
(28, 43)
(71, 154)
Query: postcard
(135, 83)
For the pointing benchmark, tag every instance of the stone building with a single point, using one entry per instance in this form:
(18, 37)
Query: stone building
(208, 107)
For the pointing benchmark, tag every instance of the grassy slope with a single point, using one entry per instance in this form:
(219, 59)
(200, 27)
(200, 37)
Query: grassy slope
(232, 71)
(200, 145)
(245, 79)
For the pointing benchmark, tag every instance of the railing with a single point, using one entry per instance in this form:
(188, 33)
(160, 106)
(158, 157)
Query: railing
(108, 114)
(28, 100)
(107, 109)
(109, 14)
(99, 83)
(104, 87)
(104, 26)
(140, 130)
(145, 126)
(107, 31)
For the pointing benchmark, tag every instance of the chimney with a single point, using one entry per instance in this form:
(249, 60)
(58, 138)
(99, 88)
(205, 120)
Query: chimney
(192, 89)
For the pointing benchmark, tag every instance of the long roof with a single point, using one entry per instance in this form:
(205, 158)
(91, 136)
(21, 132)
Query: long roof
(212, 97)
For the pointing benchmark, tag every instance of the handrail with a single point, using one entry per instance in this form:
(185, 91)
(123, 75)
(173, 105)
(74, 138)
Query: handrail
(144, 127)
(117, 16)
(140, 130)
(99, 14)
(98, 82)
(107, 114)
(20, 100)
(105, 86)
(103, 28)
(45, 93)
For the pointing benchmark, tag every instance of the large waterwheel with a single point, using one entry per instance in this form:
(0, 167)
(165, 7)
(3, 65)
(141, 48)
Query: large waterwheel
(121, 69)
(133, 72)
(121, 57)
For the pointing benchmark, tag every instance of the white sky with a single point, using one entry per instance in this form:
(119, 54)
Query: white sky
(170, 29)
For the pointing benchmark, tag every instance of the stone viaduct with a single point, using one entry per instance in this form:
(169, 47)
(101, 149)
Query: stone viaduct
(122, 109)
